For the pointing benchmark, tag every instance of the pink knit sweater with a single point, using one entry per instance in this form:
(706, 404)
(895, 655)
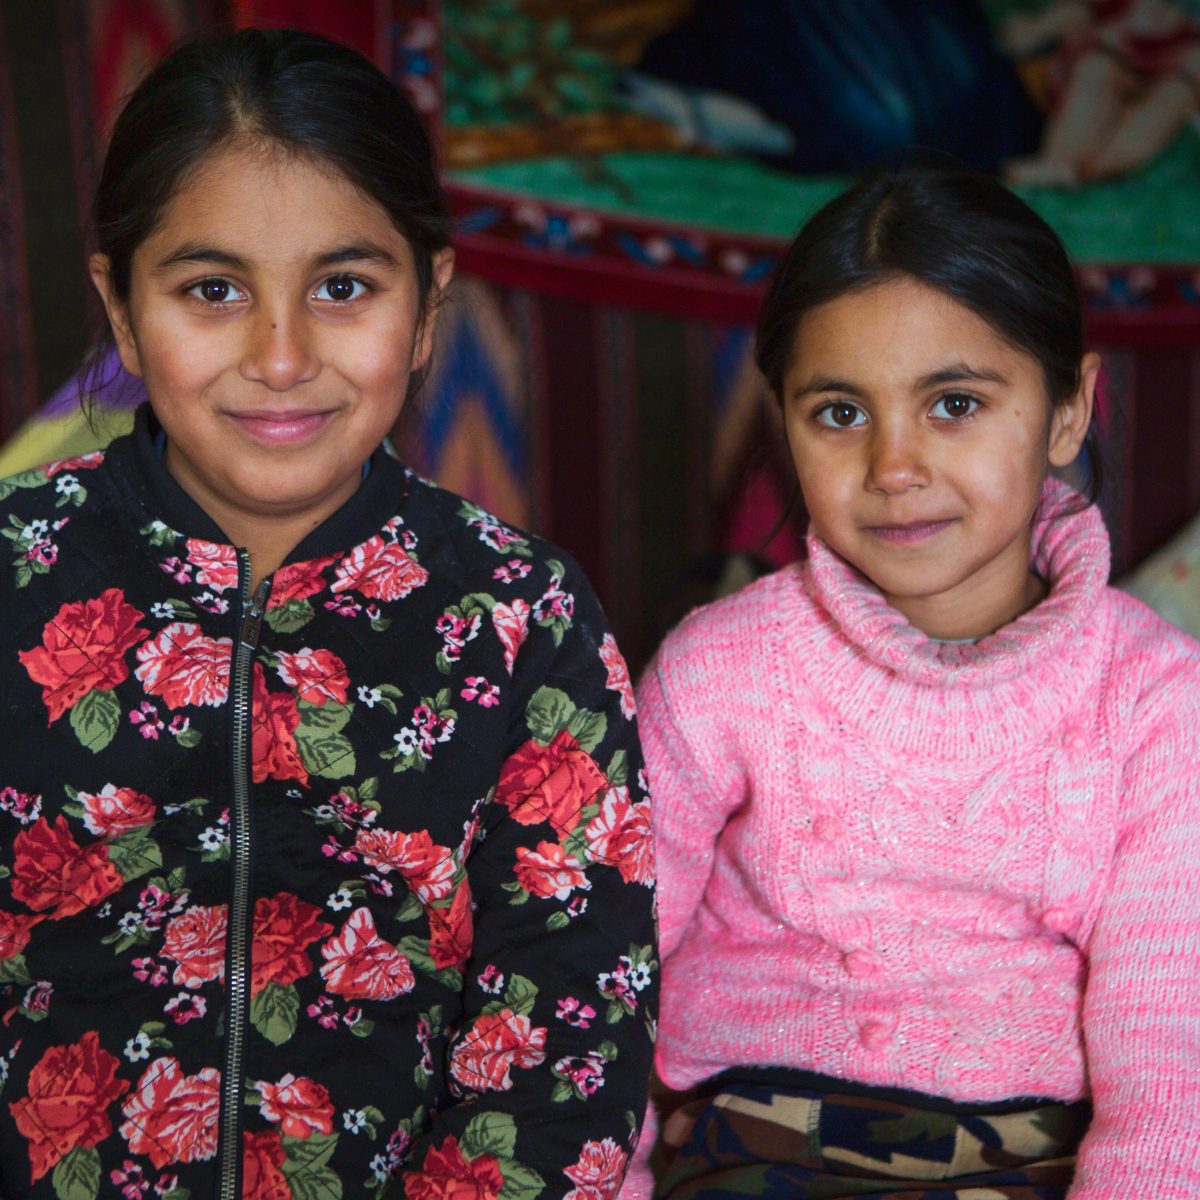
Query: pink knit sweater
(964, 870)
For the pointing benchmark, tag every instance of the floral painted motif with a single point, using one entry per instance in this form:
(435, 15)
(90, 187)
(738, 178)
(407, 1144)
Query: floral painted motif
(418, 763)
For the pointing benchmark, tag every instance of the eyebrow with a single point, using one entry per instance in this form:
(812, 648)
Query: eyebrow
(959, 372)
(365, 252)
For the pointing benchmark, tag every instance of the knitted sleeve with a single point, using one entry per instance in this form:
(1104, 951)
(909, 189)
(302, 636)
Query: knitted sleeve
(693, 798)
(1142, 1003)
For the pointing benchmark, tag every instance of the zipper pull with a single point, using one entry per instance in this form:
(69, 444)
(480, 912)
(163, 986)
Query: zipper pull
(252, 621)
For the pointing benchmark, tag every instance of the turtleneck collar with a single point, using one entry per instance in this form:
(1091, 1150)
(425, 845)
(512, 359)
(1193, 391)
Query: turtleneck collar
(140, 475)
(1070, 551)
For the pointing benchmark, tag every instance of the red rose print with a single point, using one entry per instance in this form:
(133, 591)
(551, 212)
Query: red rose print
(195, 941)
(549, 783)
(497, 1041)
(172, 1117)
(447, 1175)
(427, 868)
(597, 1175)
(299, 1107)
(317, 675)
(284, 928)
(70, 1089)
(262, 1160)
(511, 622)
(51, 872)
(360, 965)
(298, 581)
(618, 675)
(619, 836)
(452, 932)
(549, 871)
(81, 462)
(83, 650)
(183, 666)
(113, 811)
(380, 570)
(276, 718)
(14, 933)
(216, 565)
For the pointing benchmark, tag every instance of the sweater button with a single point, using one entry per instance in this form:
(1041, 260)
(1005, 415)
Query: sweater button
(1058, 920)
(874, 1035)
(1072, 739)
(860, 963)
(826, 828)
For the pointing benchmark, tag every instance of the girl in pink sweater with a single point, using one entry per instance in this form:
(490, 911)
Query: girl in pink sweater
(928, 803)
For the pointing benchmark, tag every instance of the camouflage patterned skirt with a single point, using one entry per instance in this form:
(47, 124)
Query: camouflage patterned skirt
(778, 1133)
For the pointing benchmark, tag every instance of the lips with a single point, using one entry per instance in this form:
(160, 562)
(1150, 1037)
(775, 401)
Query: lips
(911, 532)
(281, 427)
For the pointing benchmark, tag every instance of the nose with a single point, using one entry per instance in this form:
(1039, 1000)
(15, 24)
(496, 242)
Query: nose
(896, 463)
(280, 351)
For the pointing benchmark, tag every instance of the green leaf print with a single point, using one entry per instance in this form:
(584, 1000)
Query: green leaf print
(96, 719)
(520, 995)
(557, 921)
(493, 1133)
(324, 750)
(416, 949)
(26, 479)
(520, 1182)
(134, 853)
(77, 1177)
(14, 970)
(289, 617)
(587, 728)
(306, 1167)
(618, 769)
(275, 1011)
(548, 713)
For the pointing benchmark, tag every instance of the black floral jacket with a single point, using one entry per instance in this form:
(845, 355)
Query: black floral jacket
(340, 889)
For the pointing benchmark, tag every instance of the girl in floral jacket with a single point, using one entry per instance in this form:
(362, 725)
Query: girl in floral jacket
(325, 867)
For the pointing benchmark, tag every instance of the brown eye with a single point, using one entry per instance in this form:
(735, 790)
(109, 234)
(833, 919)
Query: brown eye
(214, 291)
(841, 414)
(955, 407)
(340, 288)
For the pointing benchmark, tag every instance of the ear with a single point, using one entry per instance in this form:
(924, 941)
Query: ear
(100, 268)
(1070, 421)
(443, 272)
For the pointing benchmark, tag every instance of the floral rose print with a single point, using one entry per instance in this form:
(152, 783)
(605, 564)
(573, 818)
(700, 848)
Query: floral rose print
(550, 871)
(484, 1055)
(299, 581)
(360, 965)
(551, 783)
(451, 930)
(184, 666)
(262, 1162)
(52, 873)
(428, 869)
(620, 836)
(14, 933)
(284, 927)
(447, 1175)
(618, 676)
(70, 1089)
(195, 942)
(216, 565)
(83, 650)
(380, 570)
(597, 1174)
(113, 811)
(317, 675)
(299, 1107)
(511, 622)
(172, 1117)
(273, 749)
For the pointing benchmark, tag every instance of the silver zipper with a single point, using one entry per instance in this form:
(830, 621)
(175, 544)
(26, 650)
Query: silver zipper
(238, 924)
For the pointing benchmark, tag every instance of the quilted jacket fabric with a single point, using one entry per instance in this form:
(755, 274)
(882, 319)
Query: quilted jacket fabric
(341, 889)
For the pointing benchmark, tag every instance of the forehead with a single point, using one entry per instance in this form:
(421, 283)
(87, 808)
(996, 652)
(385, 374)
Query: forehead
(900, 328)
(261, 203)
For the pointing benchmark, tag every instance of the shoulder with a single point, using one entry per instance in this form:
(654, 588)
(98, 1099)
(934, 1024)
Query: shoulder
(734, 633)
(1153, 668)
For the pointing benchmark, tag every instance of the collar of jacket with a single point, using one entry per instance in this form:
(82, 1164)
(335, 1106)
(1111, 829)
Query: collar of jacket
(142, 481)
